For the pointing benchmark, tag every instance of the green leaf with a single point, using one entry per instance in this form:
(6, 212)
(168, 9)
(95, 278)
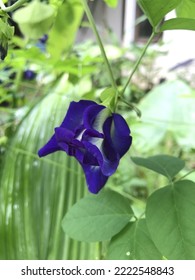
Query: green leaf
(186, 9)
(6, 29)
(63, 32)
(35, 19)
(170, 217)
(97, 217)
(155, 10)
(133, 243)
(178, 119)
(108, 98)
(36, 193)
(165, 165)
(111, 3)
(178, 23)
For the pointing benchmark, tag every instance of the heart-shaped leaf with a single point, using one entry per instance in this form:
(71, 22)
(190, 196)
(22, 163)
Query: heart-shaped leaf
(163, 164)
(155, 10)
(133, 243)
(170, 217)
(97, 217)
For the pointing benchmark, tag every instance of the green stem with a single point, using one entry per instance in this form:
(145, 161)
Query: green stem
(138, 61)
(12, 7)
(132, 106)
(190, 172)
(99, 41)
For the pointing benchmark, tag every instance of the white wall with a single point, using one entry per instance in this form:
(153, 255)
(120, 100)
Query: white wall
(180, 45)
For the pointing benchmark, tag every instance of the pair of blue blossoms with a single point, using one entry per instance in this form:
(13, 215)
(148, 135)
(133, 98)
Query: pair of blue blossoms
(95, 136)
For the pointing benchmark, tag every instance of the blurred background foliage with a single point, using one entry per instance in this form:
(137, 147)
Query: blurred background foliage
(39, 77)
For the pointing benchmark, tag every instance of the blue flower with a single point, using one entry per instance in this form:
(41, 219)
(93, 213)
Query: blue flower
(96, 137)
(29, 75)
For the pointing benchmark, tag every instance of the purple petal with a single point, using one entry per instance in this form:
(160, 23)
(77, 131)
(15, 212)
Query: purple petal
(65, 140)
(74, 116)
(64, 135)
(89, 133)
(94, 177)
(108, 161)
(117, 132)
(50, 147)
(90, 115)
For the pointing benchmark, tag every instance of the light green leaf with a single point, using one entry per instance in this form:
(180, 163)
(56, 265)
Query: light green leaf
(133, 243)
(63, 32)
(108, 97)
(6, 29)
(186, 9)
(97, 217)
(170, 217)
(169, 107)
(111, 3)
(165, 165)
(155, 10)
(35, 19)
(178, 23)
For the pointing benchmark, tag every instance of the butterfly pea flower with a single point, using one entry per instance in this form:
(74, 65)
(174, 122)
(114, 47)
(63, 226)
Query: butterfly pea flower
(29, 75)
(95, 136)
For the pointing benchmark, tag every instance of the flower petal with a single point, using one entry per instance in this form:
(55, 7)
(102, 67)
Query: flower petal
(74, 115)
(108, 162)
(50, 147)
(91, 115)
(65, 139)
(117, 132)
(94, 177)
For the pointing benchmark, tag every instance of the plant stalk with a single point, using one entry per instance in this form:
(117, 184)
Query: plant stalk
(138, 62)
(99, 41)
(184, 176)
(12, 7)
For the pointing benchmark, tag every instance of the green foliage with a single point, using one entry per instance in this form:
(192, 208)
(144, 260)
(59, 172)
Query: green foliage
(111, 3)
(178, 23)
(186, 9)
(6, 34)
(170, 217)
(167, 108)
(35, 19)
(108, 97)
(6, 30)
(97, 218)
(163, 164)
(63, 32)
(133, 243)
(155, 10)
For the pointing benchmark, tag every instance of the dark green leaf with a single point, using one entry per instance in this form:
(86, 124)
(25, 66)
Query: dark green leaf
(163, 164)
(133, 243)
(170, 217)
(155, 10)
(97, 217)
(178, 23)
